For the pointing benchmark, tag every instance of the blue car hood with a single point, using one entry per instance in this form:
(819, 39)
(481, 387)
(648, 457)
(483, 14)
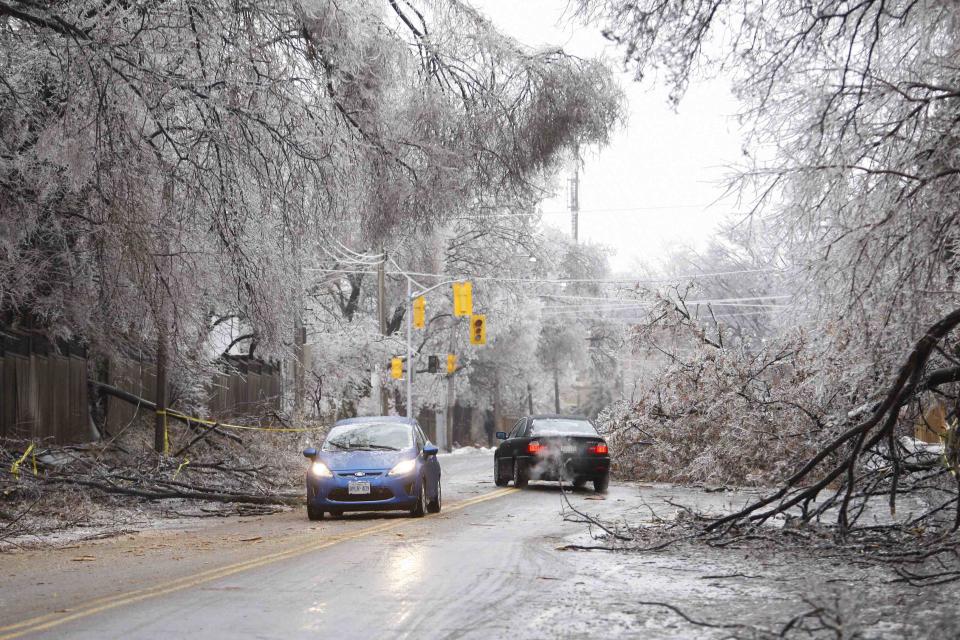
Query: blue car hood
(348, 460)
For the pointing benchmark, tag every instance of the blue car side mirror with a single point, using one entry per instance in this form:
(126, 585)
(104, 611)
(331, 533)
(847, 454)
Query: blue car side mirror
(430, 450)
(501, 435)
(310, 452)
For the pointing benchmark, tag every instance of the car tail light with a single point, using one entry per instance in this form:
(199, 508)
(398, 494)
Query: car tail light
(599, 449)
(535, 447)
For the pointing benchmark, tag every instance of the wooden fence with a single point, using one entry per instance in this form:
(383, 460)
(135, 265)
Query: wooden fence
(250, 388)
(43, 390)
(246, 388)
(133, 376)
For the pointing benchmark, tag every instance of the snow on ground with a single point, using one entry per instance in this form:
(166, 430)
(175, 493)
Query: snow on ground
(466, 451)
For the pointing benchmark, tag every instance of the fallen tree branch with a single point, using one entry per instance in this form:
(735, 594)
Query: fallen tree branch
(197, 494)
(866, 436)
(126, 396)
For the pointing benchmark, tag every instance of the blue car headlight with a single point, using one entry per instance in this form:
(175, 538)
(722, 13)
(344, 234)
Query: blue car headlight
(320, 470)
(403, 468)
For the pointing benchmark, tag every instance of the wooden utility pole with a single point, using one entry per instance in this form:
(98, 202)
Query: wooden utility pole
(160, 419)
(556, 390)
(573, 185)
(496, 402)
(160, 318)
(380, 398)
(299, 371)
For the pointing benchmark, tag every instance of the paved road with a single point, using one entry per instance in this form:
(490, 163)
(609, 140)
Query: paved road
(382, 575)
(488, 566)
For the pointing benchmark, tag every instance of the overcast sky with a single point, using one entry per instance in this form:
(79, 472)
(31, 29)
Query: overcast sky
(658, 183)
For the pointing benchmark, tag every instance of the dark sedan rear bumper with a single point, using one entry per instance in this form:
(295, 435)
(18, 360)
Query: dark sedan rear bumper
(566, 468)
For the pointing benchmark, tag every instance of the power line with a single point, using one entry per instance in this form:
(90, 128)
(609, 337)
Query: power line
(640, 318)
(504, 214)
(633, 280)
(625, 307)
(712, 300)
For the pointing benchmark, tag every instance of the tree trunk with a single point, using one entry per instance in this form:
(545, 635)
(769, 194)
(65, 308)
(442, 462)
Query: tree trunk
(299, 372)
(556, 390)
(496, 404)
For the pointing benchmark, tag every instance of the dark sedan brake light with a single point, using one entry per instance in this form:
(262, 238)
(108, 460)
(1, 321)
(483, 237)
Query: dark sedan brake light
(535, 447)
(599, 449)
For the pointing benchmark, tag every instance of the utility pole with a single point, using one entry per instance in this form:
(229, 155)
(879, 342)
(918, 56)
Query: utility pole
(299, 366)
(160, 420)
(379, 397)
(496, 402)
(160, 316)
(441, 434)
(451, 401)
(573, 193)
(556, 389)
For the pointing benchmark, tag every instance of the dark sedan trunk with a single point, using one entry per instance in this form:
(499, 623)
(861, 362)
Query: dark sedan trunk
(567, 457)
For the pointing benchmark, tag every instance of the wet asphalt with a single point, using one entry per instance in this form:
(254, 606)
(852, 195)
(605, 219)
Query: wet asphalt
(492, 564)
(456, 574)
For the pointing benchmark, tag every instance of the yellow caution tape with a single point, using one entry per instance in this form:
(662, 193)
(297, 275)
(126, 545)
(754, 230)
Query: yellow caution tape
(213, 423)
(15, 467)
(185, 462)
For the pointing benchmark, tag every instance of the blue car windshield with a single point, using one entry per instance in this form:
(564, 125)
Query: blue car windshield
(369, 436)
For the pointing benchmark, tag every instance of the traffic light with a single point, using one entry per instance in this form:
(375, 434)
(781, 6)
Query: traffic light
(396, 368)
(419, 312)
(462, 299)
(478, 329)
(433, 364)
(451, 363)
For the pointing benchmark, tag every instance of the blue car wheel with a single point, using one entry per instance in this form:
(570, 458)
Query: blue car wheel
(434, 505)
(420, 507)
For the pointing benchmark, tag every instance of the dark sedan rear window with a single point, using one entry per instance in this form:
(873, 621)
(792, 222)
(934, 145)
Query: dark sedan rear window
(561, 426)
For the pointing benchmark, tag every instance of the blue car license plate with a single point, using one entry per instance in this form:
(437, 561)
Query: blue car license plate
(358, 488)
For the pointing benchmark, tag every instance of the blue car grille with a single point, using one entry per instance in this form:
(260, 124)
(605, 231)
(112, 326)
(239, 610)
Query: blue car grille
(353, 474)
(376, 493)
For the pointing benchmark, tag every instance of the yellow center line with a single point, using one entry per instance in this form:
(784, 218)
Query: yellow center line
(50, 620)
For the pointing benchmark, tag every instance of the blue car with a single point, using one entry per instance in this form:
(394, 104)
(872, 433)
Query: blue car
(382, 463)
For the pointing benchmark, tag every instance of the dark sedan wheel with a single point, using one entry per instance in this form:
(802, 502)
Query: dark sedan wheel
(600, 484)
(498, 479)
(520, 477)
(434, 505)
(420, 507)
(314, 514)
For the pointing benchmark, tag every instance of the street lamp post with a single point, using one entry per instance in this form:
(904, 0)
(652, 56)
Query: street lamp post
(411, 296)
(409, 313)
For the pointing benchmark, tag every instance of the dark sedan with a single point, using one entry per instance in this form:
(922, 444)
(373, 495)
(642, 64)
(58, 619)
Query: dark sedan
(562, 448)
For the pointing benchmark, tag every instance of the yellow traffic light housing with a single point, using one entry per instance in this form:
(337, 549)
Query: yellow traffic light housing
(451, 363)
(462, 299)
(478, 329)
(419, 312)
(396, 368)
